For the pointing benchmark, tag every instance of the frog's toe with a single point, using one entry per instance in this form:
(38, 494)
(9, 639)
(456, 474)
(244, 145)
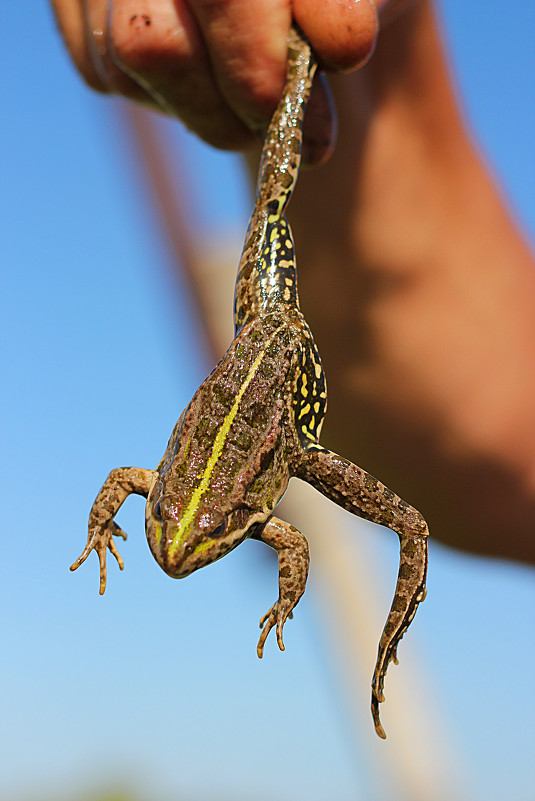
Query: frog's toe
(116, 531)
(113, 549)
(265, 618)
(81, 559)
(102, 560)
(277, 616)
(284, 612)
(266, 624)
(375, 714)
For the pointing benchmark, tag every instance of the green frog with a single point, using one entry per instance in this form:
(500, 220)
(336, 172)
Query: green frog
(255, 422)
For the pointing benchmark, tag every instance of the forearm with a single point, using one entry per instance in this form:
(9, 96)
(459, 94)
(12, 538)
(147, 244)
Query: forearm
(421, 295)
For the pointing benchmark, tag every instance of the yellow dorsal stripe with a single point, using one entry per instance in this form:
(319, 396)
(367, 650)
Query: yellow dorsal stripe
(217, 450)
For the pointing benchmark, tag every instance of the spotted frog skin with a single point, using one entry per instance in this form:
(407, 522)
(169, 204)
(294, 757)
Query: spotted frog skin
(255, 422)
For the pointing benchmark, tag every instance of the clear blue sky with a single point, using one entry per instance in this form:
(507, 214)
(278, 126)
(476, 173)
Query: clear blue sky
(158, 681)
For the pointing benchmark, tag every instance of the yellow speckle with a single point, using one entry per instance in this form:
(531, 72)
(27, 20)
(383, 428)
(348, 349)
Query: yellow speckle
(317, 407)
(288, 243)
(204, 546)
(288, 281)
(304, 410)
(317, 368)
(158, 530)
(286, 295)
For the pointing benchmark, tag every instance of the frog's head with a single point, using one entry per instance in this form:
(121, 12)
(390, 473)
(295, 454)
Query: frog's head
(184, 536)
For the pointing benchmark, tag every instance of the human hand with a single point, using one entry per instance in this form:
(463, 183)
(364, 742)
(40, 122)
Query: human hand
(218, 65)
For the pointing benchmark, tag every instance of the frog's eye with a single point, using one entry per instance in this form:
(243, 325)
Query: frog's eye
(219, 530)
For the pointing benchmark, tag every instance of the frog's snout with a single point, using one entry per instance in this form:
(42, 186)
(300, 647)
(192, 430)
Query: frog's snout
(168, 544)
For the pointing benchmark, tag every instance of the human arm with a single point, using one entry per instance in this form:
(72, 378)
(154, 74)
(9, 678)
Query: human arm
(417, 283)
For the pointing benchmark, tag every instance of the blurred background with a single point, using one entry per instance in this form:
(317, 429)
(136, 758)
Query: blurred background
(154, 692)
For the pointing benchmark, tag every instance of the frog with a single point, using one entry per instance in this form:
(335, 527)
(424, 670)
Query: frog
(255, 423)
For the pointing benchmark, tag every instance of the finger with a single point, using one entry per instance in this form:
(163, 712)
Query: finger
(247, 46)
(166, 54)
(71, 22)
(111, 75)
(342, 32)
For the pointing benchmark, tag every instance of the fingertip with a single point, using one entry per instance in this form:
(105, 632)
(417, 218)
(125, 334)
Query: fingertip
(342, 33)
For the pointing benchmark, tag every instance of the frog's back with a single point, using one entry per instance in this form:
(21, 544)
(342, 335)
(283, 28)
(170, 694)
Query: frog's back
(235, 417)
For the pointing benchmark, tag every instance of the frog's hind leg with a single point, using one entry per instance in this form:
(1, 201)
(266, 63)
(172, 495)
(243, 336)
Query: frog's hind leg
(355, 490)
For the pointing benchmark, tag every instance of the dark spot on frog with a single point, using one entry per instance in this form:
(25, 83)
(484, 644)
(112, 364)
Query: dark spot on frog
(266, 461)
(257, 415)
(223, 394)
(242, 440)
(256, 335)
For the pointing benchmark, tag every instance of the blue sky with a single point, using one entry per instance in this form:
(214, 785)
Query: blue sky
(157, 684)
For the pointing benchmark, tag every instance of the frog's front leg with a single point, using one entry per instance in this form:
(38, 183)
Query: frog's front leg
(121, 482)
(292, 549)
(355, 490)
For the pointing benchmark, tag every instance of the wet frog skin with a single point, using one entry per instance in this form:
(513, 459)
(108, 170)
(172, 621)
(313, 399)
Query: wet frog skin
(255, 422)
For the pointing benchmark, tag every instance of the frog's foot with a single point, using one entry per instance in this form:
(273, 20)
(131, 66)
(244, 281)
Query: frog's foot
(277, 616)
(410, 592)
(100, 538)
(292, 548)
(121, 482)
